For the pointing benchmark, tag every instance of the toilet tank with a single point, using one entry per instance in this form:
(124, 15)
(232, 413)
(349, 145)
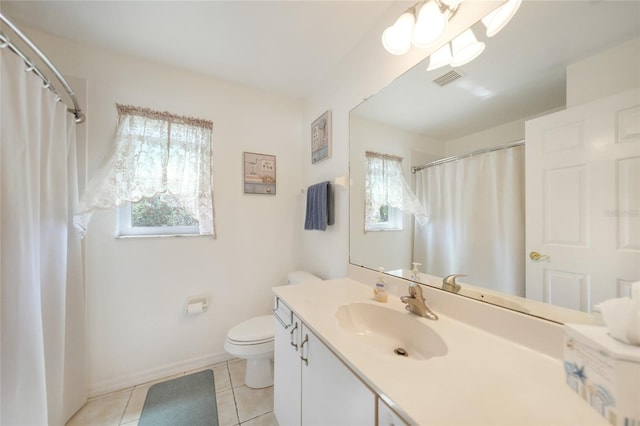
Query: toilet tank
(299, 277)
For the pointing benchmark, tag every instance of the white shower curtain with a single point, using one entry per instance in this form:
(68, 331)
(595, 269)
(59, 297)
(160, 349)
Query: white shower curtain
(475, 207)
(42, 362)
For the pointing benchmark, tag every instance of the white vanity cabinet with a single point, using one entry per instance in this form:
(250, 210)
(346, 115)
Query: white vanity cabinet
(311, 385)
(386, 417)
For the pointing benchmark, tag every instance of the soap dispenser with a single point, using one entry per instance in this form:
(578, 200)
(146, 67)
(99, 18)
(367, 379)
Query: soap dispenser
(380, 292)
(415, 280)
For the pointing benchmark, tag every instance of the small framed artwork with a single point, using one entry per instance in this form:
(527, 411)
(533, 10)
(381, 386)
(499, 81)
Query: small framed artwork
(259, 173)
(321, 138)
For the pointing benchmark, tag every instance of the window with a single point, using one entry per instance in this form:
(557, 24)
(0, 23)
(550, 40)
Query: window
(160, 215)
(386, 218)
(158, 173)
(387, 194)
(380, 193)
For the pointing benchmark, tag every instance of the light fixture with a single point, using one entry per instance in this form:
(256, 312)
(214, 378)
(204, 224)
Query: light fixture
(422, 25)
(496, 20)
(397, 38)
(440, 58)
(431, 23)
(465, 48)
(451, 4)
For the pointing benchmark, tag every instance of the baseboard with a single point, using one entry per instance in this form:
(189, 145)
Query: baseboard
(108, 386)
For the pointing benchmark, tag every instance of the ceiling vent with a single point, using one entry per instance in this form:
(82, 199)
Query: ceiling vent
(447, 78)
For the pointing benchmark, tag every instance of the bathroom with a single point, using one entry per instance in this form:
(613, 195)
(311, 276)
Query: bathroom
(136, 289)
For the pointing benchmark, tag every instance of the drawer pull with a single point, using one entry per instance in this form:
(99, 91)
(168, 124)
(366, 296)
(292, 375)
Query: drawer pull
(291, 337)
(306, 340)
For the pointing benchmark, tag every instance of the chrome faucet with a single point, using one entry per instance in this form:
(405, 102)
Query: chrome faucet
(449, 283)
(415, 302)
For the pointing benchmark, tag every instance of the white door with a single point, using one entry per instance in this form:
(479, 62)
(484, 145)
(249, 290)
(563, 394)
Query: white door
(583, 202)
(331, 393)
(286, 368)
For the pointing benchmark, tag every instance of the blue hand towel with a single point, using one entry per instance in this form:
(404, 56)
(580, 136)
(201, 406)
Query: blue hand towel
(319, 207)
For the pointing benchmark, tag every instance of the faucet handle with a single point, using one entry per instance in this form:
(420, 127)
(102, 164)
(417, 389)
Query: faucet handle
(449, 283)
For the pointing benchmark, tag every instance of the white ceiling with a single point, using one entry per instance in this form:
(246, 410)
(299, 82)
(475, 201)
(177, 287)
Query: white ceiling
(285, 47)
(290, 48)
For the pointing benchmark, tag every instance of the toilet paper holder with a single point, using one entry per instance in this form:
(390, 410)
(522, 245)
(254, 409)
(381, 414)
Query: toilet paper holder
(197, 305)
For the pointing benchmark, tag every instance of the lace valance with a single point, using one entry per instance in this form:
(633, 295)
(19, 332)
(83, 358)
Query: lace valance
(163, 116)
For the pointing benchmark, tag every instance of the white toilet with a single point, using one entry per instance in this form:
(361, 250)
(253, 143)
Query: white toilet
(253, 340)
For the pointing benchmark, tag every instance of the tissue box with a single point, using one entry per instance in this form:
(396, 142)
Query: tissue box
(604, 372)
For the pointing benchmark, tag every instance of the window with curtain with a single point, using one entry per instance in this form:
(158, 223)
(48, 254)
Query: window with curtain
(158, 172)
(387, 194)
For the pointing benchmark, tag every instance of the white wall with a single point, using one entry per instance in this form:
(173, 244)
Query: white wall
(505, 133)
(136, 288)
(612, 71)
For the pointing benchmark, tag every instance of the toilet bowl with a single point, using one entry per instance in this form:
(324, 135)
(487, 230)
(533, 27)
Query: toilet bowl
(253, 340)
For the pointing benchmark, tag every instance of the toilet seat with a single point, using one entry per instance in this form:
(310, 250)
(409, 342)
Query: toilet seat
(251, 339)
(254, 331)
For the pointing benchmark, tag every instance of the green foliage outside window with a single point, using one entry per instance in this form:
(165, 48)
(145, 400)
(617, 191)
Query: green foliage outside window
(384, 213)
(157, 212)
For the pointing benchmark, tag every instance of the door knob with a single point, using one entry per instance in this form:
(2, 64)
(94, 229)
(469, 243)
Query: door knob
(534, 255)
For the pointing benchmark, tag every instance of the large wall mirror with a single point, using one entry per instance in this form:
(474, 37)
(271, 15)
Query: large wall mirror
(526, 162)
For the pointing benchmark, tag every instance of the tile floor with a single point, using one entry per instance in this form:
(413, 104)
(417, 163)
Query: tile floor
(237, 404)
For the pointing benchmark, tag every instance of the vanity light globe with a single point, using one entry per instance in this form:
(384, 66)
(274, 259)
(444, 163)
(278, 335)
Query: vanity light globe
(465, 48)
(396, 39)
(499, 18)
(440, 58)
(430, 25)
(451, 3)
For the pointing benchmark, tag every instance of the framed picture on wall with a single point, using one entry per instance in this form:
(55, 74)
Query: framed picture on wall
(321, 138)
(259, 173)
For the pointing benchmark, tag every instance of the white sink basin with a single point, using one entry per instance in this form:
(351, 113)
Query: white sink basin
(397, 333)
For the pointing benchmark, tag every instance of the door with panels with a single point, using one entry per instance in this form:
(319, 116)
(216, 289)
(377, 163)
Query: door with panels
(583, 202)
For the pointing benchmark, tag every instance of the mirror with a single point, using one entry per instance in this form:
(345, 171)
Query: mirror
(550, 60)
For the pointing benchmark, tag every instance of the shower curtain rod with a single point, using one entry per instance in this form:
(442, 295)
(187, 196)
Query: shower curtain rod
(5, 42)
(468, 154)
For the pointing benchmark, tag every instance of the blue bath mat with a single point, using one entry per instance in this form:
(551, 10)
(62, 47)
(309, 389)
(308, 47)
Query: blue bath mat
(185, 401)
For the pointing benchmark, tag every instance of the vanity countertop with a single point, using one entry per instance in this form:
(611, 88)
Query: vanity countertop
(482, 380)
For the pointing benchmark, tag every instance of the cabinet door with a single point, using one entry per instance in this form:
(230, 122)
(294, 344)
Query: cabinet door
(331, 393)
(286, 371)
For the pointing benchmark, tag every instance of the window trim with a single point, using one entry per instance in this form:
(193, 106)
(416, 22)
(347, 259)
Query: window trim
(395, 222)
(125, 230)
